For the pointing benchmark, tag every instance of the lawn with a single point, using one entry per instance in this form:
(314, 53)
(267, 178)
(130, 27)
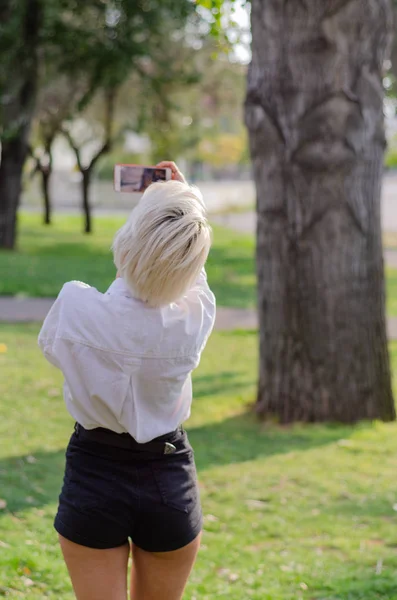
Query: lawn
(306, 512)
(49, 256)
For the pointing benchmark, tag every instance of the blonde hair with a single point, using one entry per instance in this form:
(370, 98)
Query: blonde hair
(163, 246)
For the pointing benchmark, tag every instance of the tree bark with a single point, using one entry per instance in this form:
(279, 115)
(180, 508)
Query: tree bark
(314, 113)
(12, 160)
(18, 96)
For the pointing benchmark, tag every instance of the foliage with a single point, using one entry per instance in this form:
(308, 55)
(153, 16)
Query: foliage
(176, 116)
(94, 42)
(105, 169)
(289, 513)
(224, 149)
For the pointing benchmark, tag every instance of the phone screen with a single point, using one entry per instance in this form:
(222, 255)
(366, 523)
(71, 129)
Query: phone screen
(136, 178)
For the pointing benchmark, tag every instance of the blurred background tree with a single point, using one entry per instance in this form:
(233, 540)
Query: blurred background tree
(57, 100)
(21, 32)
(96, 42)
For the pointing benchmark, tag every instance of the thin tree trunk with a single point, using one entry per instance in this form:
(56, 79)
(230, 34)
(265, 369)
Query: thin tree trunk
(314, 114)
(17, 112)
(45, 187)
(110, 97)
(85, 182)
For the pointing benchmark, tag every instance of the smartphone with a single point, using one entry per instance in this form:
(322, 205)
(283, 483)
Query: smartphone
(136, 178)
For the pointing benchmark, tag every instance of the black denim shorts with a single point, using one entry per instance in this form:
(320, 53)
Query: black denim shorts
(112, 494)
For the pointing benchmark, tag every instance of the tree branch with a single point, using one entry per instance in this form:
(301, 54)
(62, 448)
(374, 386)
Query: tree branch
(103, 150)
(110, 98)
(73, 146)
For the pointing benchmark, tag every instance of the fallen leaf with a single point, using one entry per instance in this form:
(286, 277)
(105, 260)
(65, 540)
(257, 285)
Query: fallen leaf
(286, 568)
(4, 545)
(26, 571)
(31, 459)
(211, 518)
(379, 567)
(3, 504)
(3, 348)
(53, 392)
(223, 572)
(256, 504)
(303, 586)
(345, 443)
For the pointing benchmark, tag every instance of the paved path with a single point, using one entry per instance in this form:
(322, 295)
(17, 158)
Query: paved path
(25, 310)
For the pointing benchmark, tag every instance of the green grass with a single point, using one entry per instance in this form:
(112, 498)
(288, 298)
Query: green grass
(306, 512)
(49, 256)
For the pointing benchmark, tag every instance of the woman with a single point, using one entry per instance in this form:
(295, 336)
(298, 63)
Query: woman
(127, 355)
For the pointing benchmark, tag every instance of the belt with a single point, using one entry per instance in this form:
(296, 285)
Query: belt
(125, 440)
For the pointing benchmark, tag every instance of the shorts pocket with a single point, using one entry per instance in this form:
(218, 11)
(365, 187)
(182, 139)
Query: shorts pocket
(176, 480)
(87, 485)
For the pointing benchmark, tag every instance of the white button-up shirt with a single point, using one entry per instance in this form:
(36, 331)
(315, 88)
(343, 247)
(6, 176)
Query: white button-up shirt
(127, 366)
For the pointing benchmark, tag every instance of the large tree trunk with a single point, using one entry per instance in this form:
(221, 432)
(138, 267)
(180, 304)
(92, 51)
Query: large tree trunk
(18, 99)
(314, 113)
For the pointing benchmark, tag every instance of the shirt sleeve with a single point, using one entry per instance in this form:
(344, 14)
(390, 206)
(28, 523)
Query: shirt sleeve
(51, 328)
(48, 333)
(201, 305)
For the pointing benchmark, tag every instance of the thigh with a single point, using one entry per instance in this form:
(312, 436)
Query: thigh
(96, 574)
(160, 575)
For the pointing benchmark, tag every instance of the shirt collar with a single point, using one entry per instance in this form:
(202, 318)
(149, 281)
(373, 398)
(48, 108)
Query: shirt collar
(120, 288)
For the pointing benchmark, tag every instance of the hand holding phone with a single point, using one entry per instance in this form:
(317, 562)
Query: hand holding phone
(176, 173)
(136, 178)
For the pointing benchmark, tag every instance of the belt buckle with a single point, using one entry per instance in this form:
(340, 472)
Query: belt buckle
(169, 448)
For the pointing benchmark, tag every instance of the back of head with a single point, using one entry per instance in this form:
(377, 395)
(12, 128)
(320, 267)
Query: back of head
(163, 246)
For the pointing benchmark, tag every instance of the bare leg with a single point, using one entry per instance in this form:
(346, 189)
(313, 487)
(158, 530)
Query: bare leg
(162, 575)
(96, 574)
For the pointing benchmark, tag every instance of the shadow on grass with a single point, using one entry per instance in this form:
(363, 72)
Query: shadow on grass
(33, 481)
(61, 250)
(363, 586)
(225, 383)
(25, 484)
(242, 438)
